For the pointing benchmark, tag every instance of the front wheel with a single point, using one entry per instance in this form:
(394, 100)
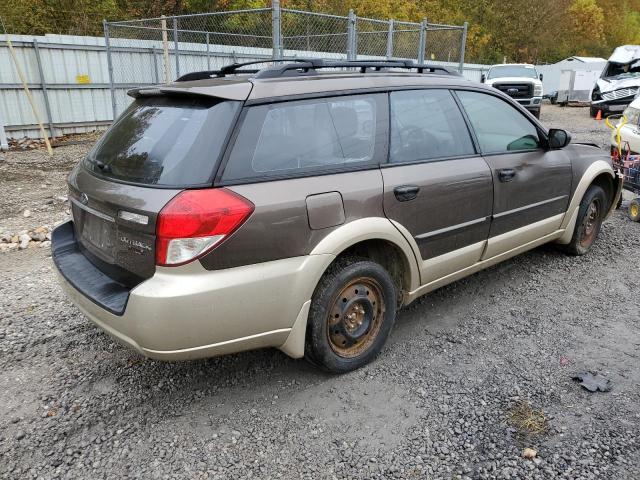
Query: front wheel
(593, 208)
(352, 312)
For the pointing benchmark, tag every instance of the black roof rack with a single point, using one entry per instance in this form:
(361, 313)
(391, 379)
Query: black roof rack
(310, 66)
(233, 68)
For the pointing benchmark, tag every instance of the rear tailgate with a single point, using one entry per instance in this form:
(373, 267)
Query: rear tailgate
(114, 224)
(160, 145)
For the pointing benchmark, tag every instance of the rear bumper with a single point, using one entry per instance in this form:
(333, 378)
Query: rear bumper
(188, 312)
(79, 272)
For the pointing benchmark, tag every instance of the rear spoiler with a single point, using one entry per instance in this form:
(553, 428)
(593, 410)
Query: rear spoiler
(229, 91)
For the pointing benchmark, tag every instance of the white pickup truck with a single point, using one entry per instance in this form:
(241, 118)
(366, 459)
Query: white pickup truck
(520, 81)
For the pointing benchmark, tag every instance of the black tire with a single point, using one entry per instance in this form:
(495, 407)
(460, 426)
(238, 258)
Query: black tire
(634, 209)
(335, 341)
(593, 208)
(536, 113)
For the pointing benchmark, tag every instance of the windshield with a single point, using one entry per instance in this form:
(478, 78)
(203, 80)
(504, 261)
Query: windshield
(623, 70)
(164, 140)
(513, 71)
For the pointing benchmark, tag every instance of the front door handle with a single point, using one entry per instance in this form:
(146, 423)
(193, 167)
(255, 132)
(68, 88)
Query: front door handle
(404, 193)
(506, 174)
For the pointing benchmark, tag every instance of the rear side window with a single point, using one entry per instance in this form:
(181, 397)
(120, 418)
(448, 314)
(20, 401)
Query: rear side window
(498, 125)
(293, 138)
(168, 141)
(427, 125)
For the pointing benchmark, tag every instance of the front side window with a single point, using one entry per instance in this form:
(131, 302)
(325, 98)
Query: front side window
(499, 126)
(427, 125)
(295, 137)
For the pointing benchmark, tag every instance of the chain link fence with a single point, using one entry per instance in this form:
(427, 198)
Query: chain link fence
(159, 50)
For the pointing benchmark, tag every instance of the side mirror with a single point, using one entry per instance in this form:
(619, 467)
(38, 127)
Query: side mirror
(540, 77)
(483, 77)
(558, 138)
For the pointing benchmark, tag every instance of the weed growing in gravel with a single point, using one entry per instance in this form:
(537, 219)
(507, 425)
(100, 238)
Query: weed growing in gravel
(526, 419)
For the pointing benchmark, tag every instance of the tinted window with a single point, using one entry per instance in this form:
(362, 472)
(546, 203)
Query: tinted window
(164, 141)
(294, 137)
(498, 125)
(427, 124)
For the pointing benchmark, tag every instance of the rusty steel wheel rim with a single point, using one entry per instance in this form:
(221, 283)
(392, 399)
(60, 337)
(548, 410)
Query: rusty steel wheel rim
(591, 222)
(355, 317)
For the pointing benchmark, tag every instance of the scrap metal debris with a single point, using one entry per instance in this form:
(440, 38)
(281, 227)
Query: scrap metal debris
(593, 381)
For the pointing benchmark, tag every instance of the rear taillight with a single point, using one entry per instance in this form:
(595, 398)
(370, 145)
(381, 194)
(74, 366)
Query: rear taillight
(195, 221)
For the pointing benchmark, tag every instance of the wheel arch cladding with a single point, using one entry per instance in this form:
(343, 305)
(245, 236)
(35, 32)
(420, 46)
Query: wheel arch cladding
(598, 173)
(377, 239)
(599, 169)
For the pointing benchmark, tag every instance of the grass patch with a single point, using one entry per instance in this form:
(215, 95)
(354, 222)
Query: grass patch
(526, 419)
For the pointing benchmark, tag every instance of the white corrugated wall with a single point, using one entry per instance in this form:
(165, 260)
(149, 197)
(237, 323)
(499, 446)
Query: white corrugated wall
(68, 62)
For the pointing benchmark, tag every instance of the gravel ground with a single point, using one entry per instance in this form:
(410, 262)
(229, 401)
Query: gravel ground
(440, 402)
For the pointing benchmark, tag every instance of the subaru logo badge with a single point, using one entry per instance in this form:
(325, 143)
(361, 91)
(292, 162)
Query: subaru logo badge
(512, 91)
(84, 199)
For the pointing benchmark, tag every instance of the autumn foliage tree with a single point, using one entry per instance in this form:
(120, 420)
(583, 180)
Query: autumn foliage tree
(518, 30)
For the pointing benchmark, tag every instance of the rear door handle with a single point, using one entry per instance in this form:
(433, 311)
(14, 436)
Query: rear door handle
(404, 193)
(506, 174)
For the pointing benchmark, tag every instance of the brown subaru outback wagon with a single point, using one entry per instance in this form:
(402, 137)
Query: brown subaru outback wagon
(299, 206)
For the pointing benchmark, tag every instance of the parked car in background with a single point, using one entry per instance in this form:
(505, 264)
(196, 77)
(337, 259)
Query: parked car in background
(630, 131)
(619, 83)
(520, 81)
(300, 208)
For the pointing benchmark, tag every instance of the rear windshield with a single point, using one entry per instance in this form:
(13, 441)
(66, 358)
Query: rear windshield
(168, 141)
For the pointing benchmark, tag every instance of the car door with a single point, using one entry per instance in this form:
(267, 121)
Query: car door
(531, 182)
(437, 188)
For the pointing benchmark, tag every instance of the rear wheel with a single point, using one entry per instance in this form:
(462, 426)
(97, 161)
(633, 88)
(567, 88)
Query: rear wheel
(592, 210)
(352, 312)
(634, 209)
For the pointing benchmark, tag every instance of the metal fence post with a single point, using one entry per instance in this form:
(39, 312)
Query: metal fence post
(276, 32)
(4, 144)
(175, 46)
(165, 50)
(208, 54)
(156, 75)
(422, 41)
(390, 40)
(110, 68)
(351, 36)
(462, 46)
(43, 84)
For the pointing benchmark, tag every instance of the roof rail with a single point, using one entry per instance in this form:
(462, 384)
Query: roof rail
(310, 66)
(231, 69)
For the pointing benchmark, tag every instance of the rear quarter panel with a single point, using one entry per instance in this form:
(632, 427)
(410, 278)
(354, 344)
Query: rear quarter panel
(279, 226)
